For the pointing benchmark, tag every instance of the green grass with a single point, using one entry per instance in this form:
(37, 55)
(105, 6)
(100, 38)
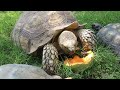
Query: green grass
(8, 52)
(106, 64)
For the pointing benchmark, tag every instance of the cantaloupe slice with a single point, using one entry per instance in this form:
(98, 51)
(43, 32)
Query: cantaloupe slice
(78, 63)
(74, 61)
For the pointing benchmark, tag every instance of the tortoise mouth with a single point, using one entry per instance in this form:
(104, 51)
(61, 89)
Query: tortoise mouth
(71, 52)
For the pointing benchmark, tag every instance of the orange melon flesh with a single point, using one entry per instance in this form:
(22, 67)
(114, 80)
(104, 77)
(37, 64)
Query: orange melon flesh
(74, 61)
(77, 60)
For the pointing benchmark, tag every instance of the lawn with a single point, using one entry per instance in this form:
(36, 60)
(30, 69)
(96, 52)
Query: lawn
(106, 65)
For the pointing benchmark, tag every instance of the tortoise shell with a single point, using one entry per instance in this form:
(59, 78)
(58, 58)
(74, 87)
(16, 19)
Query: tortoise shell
(110, 35)
(34, 29)
(24, 71)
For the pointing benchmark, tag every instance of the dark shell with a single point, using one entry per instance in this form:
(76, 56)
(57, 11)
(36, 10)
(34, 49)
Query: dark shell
(110, 35)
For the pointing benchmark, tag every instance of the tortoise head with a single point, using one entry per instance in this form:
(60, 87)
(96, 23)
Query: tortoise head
(96, 26)
(68, 42)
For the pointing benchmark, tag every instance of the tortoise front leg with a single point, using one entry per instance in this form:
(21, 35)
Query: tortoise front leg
(87, 38)
(50, 59)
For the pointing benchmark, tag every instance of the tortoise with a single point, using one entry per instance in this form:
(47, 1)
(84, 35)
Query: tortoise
(55, 32)
(109, 35)
(24, 71)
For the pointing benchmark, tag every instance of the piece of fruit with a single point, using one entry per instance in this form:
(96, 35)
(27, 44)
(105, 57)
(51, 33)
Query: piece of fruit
(80, 64)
